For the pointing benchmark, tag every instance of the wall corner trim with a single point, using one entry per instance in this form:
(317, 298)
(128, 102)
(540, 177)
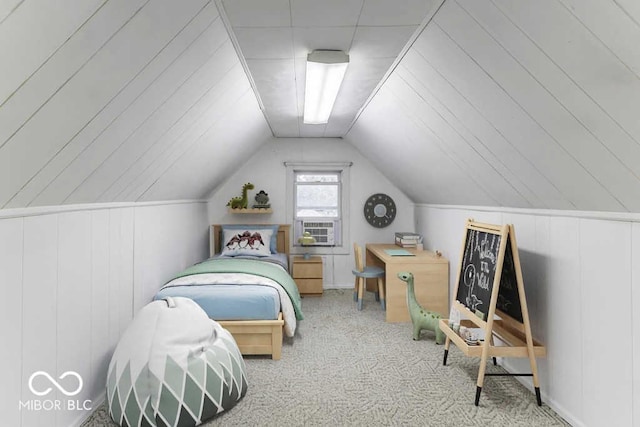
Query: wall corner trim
(49, 210)
(596, 215)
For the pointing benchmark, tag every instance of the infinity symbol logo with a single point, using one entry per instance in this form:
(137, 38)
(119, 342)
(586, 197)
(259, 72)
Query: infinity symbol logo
(55, 383)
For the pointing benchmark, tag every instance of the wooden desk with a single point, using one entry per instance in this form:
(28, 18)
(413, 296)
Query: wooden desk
(431, 280)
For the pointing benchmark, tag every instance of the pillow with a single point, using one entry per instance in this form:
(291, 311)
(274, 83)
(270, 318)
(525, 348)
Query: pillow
(246, 242)
(273, 245)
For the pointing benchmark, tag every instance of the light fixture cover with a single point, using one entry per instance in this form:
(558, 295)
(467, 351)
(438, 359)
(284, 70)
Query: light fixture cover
(325, 71)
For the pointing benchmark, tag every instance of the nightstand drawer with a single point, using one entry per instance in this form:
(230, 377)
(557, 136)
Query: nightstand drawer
(309, 286)
(311, 270)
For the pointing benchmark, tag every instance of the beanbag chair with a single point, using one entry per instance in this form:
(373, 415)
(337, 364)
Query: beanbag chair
(174, 366)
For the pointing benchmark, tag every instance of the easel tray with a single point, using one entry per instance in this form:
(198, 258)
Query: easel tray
(509, 345)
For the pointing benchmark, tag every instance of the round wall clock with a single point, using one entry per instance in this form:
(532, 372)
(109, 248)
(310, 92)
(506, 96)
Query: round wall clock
(379, 210)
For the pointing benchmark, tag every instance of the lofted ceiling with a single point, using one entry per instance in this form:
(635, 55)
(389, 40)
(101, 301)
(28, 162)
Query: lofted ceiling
(275, 36)
(533, 103)
(530, 104)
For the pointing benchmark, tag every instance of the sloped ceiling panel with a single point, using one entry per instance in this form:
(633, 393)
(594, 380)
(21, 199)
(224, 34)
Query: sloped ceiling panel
(275, 36)
(214, 156)
(502, 103)
(104, 98)
(520, 104)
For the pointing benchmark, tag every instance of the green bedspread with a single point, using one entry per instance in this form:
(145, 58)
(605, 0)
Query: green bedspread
(258, 268)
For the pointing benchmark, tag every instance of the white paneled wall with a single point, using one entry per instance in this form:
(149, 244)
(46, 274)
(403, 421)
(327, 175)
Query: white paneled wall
(38, 306)
(11, 321)
(72, 280)
(605, 285)
(73, 319)
(581, 286)
(635, 302)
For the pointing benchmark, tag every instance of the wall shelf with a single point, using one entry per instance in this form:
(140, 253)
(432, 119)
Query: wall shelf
(250, 211)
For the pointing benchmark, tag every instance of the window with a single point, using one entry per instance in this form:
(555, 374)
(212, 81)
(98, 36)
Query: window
(318, 196)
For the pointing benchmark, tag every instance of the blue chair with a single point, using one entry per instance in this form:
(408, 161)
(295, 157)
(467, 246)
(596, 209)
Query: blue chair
(369, 272)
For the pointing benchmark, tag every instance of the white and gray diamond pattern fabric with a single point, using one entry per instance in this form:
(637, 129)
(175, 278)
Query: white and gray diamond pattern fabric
(173, 367)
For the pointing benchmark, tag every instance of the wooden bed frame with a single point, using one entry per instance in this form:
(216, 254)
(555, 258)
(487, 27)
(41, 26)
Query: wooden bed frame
(262, 337)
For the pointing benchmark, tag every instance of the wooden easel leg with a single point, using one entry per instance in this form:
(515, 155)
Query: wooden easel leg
(525, 316)
(483, 367)
(532, 357)
(446, 351)
(534, 372)
(478, 391)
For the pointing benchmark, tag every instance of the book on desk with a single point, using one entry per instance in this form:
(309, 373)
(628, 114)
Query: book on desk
(407, 239)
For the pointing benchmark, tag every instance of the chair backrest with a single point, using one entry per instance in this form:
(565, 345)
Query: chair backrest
(357, 252)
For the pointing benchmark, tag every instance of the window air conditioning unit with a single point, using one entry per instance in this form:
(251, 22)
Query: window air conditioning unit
(326, 232)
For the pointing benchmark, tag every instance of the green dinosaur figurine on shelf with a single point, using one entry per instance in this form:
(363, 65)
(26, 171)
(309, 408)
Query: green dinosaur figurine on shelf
(420, 317)
(241, 202)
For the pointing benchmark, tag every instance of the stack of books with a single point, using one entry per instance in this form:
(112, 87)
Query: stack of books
(406, 239)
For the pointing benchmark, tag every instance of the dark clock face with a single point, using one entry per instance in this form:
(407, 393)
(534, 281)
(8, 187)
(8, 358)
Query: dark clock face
(379, 210)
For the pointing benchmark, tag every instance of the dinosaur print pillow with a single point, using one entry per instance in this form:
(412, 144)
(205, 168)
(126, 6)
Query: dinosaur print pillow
(246, 242)
(252, 227)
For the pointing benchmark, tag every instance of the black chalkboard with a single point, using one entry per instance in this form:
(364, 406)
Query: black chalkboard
(508, 295)
(478, 270)
(490, 287)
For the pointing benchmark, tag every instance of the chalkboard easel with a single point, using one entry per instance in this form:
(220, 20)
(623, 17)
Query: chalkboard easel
(490, 295)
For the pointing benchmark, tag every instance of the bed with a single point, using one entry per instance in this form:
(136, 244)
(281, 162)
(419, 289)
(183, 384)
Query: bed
(253, 297)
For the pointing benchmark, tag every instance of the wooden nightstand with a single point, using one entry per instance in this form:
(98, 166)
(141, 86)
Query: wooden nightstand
(308, 275)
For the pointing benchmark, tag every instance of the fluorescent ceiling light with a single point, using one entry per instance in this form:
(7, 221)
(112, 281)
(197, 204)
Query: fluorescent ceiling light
(325, 71)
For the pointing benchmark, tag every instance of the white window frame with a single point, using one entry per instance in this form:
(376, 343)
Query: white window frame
(344, 169)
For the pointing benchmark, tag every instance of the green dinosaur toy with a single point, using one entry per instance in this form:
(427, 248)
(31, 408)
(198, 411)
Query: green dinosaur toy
(421, 317)
(241, 202)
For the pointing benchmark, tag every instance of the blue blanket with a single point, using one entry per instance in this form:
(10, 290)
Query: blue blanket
(258, 268)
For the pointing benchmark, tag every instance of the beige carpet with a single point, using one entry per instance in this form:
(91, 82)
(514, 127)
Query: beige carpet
(346, 368)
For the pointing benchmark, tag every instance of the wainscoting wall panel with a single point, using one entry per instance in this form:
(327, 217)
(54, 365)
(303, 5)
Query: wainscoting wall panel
(605, 282)
(562, 266)
(635, 302)
(73, 316)
(11, 241)
(101, 346)
(39, 312)
(70, 276)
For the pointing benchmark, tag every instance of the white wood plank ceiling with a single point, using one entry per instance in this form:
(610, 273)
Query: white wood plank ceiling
(275, 36)
(518, 104)
(531, 103)
(119, 101)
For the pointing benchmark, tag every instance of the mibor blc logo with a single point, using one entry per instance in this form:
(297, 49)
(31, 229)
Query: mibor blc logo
(42, 390)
